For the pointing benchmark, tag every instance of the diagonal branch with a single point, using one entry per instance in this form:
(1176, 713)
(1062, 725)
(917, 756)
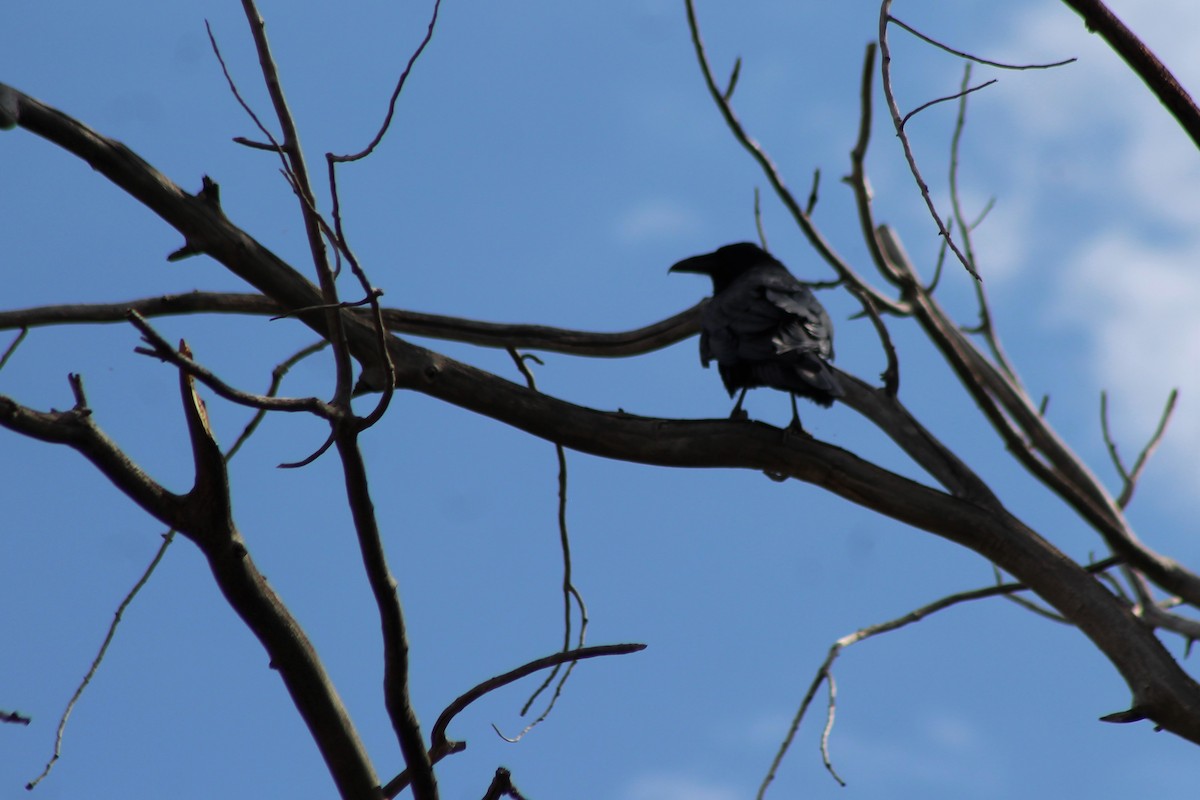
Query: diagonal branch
(1161, 690)
(819, 243)
(204, 516)
(1099, 19)
(898, 123)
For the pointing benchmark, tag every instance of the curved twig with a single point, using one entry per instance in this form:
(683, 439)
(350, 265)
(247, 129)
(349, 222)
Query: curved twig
(440, 746)
(956, 96)
(825, 670)
(910, 157)
(387, 119)
(570, 593)
(61, 730)
(976, 59)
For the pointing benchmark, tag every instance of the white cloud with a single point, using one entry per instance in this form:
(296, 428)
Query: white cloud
(656, 219)
(1098, 174)
(1141, 304)
(946, 752)
(676, 787)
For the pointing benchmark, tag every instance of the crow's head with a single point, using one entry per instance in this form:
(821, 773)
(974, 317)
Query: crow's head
(725, 264)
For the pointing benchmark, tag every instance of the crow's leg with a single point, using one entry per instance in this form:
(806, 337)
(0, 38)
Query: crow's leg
(795, 425)
(737, 412)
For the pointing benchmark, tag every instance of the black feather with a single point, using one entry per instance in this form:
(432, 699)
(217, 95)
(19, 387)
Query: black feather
(763, 327)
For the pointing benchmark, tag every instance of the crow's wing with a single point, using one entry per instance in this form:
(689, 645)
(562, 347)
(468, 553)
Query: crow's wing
(763, 314)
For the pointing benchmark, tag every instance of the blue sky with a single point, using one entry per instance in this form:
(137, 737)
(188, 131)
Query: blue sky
(548, 162)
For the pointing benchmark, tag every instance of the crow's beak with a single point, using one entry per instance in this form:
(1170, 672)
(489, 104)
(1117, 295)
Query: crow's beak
(700, 265)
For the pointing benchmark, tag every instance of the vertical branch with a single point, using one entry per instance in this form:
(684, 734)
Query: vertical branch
(571, 595)
(207, 520)
(308, 206)
(898, 123)
(858, 173)
(985, 311)
(395, 637)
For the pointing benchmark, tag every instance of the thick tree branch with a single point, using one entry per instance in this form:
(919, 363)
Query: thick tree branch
(204, 516)
(1099, 19)
(395, 637)
(1156, 681)
(76, 429)
(1161, 690)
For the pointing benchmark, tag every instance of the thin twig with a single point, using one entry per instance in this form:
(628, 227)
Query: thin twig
(569, 590)
(825, 671)
(1037, 609)
(977, 59)
(862, 186)
(12, 348)
(818, 242)
(387, 120)
(831, 711)
(1155, 438)
(955, 96)
(1129, 477)
(811, 205)
(734, 74)
(274, 145)
(163, 351)
(891, 374)
(898, 124)
(986, 326)
(758, 223)
(441, 746)
(108, 638)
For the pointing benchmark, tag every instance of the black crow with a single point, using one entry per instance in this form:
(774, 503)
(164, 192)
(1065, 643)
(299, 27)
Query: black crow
(763, 327)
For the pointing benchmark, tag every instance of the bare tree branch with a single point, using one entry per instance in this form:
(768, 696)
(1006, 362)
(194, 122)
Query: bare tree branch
(486, 334)
(61, 730)
(14, 718)
(571, 595)
(1099, 19)
(440, 746)
(160, 349)
(825, 671)
(1129, 477)
(387, 119)
(976, 59)
(898, 123)
(819, 243)
(1161, 690)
